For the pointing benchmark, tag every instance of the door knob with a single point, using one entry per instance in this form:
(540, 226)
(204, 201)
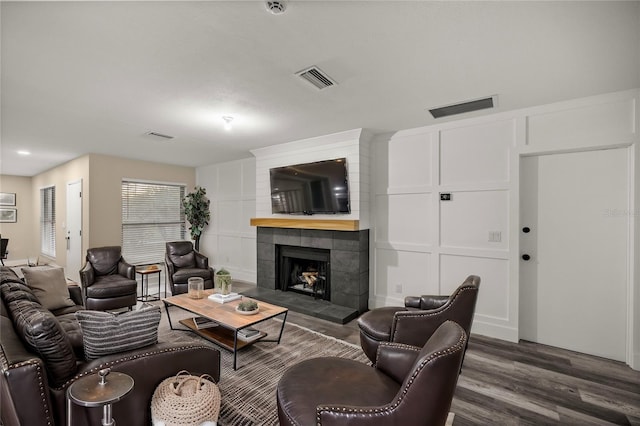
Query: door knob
(526, 257)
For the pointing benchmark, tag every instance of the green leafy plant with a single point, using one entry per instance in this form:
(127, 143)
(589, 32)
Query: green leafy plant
(223, 278)
(196, 210)
(248, 305)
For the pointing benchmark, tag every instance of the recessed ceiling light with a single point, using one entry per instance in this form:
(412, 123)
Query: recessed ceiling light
(22, 152)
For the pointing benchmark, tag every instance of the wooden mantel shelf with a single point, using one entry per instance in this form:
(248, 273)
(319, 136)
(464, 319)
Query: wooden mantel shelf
(325, 224)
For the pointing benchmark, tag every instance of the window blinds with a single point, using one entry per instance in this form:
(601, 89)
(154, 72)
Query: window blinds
(48, 221)
(152, 214)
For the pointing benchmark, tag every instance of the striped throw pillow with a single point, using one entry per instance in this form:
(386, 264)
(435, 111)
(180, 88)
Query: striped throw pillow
(106, 333)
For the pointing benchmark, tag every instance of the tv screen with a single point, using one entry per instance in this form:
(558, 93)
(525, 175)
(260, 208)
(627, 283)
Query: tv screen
(312, 188)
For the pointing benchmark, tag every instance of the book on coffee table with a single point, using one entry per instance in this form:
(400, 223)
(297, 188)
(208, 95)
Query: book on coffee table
(204, 322)
(224, 298)
(248, 334)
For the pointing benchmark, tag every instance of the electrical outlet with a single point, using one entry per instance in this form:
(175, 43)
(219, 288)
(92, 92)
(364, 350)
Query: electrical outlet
(495, 236)
(398, 288)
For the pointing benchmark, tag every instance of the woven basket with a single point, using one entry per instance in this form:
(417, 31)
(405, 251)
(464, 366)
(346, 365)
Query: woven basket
(185, 400)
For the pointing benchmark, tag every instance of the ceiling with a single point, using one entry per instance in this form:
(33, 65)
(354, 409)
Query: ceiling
(95, 77)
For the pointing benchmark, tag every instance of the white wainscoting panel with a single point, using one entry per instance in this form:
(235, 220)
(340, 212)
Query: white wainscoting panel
(473, 154)
(494, 275)
(402, 273)
(404, 218)
(471, 216)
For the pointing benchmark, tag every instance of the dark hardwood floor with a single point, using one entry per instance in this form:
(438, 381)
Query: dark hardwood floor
(504, 383)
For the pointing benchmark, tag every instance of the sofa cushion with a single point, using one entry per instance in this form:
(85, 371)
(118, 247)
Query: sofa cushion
(11, 291)
(111, 286)
(43, 335)
(49, 285)
(106, 333)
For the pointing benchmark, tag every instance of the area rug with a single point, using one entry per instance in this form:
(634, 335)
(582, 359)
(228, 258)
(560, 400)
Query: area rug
(249, 393)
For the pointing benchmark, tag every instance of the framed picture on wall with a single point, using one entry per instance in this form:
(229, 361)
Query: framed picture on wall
(7, 198)
(8, 215)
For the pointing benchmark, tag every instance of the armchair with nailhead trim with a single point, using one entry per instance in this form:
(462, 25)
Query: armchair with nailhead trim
(408, 385)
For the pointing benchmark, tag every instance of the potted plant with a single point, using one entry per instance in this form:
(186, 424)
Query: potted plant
(196, 210)
(247, 307)
(223, 281)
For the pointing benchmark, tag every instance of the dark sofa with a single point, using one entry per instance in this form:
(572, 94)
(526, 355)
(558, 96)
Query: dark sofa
(33, 383)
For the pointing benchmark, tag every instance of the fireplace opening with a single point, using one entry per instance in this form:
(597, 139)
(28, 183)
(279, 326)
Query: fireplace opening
(304, 270)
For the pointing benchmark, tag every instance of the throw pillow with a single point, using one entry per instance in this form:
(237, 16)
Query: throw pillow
(49, 285)
(42, 333)
(106, 333)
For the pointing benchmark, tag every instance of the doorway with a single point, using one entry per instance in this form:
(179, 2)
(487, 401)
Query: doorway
(574, 242)
(74, 230)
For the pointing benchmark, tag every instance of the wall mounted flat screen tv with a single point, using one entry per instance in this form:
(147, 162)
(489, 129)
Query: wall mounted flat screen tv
(311, 188)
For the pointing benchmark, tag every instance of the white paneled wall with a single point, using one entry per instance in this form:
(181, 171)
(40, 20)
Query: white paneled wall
(422, 245)
(426, 246)
(229, 241)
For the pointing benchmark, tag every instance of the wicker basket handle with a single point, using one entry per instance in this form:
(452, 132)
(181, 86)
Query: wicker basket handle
(177, 384)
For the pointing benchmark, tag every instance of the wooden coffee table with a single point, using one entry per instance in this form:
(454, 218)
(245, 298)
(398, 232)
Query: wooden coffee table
(229, 321)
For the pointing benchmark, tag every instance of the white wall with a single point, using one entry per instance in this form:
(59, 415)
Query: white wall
(229, 241)
(421, 245)
(352, 144)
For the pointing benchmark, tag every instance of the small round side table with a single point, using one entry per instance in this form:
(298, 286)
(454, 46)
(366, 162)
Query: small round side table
(98, 390)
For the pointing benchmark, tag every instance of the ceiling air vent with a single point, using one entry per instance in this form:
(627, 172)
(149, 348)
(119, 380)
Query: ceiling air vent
(461, 108)
(158, 135)
(315, 76)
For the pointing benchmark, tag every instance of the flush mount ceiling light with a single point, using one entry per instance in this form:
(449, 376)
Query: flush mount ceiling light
(23, 152)
(463, 107)
(277, 7)
(227, 122)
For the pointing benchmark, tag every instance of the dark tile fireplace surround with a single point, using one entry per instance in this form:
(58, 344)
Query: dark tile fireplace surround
(348, 266)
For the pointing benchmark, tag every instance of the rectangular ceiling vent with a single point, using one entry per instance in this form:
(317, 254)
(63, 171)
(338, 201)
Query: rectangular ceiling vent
(317, 77)
(463, 107)
(158, 135)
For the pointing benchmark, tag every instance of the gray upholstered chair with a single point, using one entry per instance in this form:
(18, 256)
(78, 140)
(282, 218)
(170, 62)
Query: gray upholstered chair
(183, 262)
(108, 281)
(414, 323)
(409, 385)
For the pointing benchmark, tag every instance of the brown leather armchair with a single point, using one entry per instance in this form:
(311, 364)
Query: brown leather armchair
(408, 386)
(414, 323)
(183, 262)
(108, 281)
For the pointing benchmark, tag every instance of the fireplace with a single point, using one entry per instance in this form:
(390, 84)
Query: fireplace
(337, 262)
(305, 270)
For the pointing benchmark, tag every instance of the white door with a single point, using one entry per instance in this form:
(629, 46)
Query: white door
(74, 230)
(575, 229)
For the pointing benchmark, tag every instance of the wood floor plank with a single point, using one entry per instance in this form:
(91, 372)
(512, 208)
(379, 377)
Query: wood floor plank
(505, 383)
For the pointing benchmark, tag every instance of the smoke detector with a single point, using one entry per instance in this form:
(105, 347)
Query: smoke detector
(277, 7)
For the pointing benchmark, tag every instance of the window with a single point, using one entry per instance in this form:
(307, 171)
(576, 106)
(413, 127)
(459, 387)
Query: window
(48, 221)
(152, 214)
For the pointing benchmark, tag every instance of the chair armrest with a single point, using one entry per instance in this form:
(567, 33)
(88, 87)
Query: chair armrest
(75, 292)
(396, 359)
(126, 269)
(148, 366)
(171, 269)
(202, 261)
(414, 327)
(87, 275)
